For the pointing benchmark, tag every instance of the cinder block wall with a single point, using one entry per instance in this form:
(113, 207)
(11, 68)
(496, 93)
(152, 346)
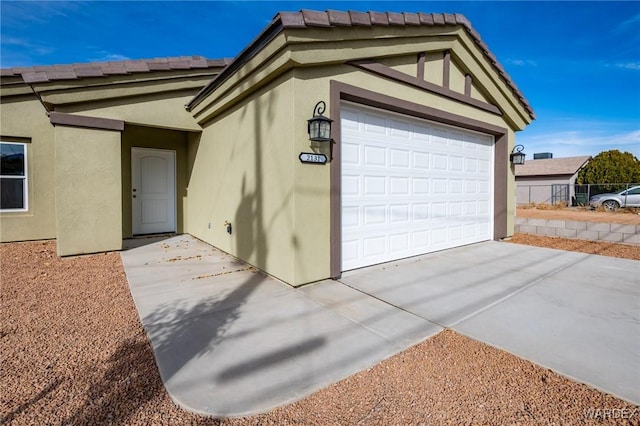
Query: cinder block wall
(592, 231)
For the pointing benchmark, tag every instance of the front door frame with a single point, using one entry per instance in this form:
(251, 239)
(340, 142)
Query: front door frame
(135, 225)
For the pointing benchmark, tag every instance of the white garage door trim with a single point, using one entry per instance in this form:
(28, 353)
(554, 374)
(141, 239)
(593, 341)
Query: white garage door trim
(411, 186)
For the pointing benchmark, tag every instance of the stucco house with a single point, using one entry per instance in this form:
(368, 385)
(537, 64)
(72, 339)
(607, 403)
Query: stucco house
(549, 180)
(424, 119)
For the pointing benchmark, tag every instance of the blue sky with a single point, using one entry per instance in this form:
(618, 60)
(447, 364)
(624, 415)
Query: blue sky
(577, 63)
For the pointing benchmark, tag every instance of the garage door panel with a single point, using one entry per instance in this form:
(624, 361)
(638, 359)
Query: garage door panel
(410, 187)
(420, 186)
(398, 214)
(439, 162)
(375, 156)
(374, 185)
(420, 212)
(374, 246)
(398, 185)
(400, 158)
(420, 160)
(399, 242)
(375, 215)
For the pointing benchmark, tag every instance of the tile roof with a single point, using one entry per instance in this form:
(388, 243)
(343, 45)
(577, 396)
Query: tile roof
(43, 74)
(552, 166)
(330, 18)
(334, 18)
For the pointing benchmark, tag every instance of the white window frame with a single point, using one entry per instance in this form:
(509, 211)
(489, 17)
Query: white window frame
(25, 179)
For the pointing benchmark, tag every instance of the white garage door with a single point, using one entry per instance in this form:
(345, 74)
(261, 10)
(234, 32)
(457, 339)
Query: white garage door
(411, 186)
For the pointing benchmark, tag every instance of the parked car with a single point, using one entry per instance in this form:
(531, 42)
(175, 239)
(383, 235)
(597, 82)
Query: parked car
(610, 201)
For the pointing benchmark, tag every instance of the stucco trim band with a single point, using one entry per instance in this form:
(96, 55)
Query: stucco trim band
(71, 120)
(387, 72)
(345, 92)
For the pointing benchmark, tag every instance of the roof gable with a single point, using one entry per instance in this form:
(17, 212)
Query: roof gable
(552, 166)
(330, 19)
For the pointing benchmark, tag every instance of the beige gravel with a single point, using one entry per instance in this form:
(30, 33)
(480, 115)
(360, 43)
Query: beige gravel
(73, 352)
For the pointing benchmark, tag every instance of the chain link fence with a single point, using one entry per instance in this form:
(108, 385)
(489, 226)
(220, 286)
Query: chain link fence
(568, 194)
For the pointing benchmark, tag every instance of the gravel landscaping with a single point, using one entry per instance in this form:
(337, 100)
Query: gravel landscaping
(74, 352)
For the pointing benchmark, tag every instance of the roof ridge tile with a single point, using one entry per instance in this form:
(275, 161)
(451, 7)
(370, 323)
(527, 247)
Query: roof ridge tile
(339, 18)
(314, 18)
(379, 18)
(360, 18)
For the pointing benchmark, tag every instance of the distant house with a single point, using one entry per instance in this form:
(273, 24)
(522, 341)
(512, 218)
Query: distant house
(549, 180)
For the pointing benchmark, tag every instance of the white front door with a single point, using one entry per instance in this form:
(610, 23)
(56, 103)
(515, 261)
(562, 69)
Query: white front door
(153, 190)
(411, 186)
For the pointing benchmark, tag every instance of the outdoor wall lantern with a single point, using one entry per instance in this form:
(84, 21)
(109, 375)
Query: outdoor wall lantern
(319, 126)
(517, 156)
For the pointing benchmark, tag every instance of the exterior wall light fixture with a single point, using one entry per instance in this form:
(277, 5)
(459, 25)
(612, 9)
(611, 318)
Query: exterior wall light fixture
(319, 126)
(517, 156)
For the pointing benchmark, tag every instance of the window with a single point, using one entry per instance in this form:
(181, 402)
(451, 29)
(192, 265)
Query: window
(13, 176)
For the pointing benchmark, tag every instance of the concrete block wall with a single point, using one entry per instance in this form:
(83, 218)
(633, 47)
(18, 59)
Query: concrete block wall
(592, 231)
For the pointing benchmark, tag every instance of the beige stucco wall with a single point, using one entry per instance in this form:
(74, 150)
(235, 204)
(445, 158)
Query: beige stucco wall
(88, 190)
(164, 110)
(149, 137)
(25, 120)
(281, 223)
(243, 173)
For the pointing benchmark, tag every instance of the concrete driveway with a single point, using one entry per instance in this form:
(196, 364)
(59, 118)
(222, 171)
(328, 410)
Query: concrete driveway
(575, 313)
(231, 341)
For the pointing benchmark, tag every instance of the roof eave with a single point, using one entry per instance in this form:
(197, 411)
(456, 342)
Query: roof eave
(266, 36)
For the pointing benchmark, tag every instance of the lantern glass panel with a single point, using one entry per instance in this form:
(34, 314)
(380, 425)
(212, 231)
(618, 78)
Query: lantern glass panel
(325, 130)
(314, 129)
(518, 158)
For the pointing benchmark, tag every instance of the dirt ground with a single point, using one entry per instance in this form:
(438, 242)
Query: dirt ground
(623, 217)
(74, 353)
(571, 244)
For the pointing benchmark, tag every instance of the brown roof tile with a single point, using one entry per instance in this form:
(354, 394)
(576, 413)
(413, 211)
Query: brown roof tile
(379, 18)
(89, 72)
(339, 18)
(411, 19)
(438, 19)
(136, 66)
(21, 70)
(35, 77)
(360, 18)
(292, 20)
(552, 166)
(159, 66)
(395, 18)
(314, 18)
(450, 19)
(461, 19)
(40, 74)
(218, 63)
(6, 72)
(426, 18)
